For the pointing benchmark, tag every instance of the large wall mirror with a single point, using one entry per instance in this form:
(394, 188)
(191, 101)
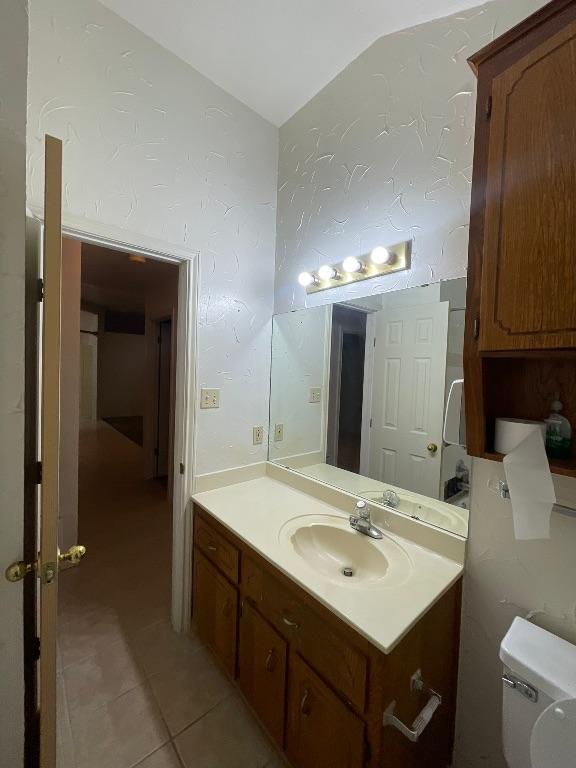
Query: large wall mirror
(359, 396)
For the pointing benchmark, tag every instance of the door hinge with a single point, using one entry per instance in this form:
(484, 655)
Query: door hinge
(40, 290)
(156, 451)
(489, 107)
(370, 423)
(181, 468)
(38, 473)
(35, 649)
(476, 327)
(374, 340)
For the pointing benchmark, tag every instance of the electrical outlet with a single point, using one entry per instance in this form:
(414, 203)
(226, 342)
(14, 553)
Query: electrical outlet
(315, 395)
(209, 398)
(278, 433)
(257, 435)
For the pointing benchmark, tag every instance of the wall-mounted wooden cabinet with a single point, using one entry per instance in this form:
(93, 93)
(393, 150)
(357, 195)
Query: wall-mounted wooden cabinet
(318, 687)
(520, 345)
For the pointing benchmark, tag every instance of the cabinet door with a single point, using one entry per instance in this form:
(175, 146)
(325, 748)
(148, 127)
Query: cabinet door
(528, 274)
(262, 670)
(322, 732)
(215, 611)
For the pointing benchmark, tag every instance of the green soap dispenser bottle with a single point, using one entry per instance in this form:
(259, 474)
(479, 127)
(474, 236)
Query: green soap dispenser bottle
(558, 432)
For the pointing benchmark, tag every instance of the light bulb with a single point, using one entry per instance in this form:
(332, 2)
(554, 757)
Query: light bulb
(306, 279)
(327, 273)
(352, 265)
(380, 255)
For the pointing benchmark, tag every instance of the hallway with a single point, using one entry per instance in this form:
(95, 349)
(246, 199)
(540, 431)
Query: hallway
(131, 692)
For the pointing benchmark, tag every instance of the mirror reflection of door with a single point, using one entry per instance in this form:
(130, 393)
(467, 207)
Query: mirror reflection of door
(347, 351)
(162, 447)
(409, 373)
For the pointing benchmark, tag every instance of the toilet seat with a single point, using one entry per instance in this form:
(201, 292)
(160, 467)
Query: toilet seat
(553, 740)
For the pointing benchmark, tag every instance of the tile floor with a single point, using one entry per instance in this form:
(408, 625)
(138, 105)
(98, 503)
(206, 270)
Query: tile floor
(131, 691)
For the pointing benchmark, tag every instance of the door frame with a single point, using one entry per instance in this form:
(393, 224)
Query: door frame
(185, 387)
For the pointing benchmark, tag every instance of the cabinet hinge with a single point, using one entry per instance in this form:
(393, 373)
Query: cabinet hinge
(370, 423)
(156, 451)
(181, 468)
(38, 473)
(39, 290)
(374, 340)
(476, 327)
(489, 107)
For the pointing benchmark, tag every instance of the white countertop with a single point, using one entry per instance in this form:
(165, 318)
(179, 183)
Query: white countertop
(256, 511)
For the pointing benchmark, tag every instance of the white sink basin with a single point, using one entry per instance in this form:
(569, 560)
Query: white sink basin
(447, 516)
(332, 548)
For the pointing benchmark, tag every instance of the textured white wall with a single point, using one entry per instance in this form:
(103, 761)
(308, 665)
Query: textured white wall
(157, 154)
(13, 52)
(384, 153)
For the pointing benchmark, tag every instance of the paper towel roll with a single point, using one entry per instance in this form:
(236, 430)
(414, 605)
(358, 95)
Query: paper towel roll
(531, 488)
(511, 432)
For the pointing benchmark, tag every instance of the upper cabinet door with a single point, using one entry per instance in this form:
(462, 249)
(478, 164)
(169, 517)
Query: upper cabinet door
(528, 296)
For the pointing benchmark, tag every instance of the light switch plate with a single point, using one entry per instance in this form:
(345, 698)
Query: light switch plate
(315, 395)
(209, 398)
(278, 433)
(257, 435)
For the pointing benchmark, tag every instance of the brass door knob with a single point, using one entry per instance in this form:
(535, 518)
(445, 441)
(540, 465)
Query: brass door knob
(72, 557)
(432, 448)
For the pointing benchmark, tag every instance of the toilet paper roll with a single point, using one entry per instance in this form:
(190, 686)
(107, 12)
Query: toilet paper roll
(511, 432)
(531, 488)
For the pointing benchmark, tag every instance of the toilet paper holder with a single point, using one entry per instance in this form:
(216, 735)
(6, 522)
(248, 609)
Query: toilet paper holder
(418, 727)
(560, 508)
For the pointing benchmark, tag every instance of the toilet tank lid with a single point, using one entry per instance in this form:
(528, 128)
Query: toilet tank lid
(540, 658)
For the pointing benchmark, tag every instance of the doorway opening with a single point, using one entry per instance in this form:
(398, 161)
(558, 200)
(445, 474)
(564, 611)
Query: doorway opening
(119, 355)
(347, 352)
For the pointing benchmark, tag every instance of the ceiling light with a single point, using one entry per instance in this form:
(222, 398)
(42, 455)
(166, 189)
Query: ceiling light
(327, 273)
(306, 279)
(380, 255)
(352, 265)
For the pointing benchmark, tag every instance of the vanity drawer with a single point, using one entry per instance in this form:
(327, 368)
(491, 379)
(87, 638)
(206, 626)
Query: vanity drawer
(340, 664)
(216, 548)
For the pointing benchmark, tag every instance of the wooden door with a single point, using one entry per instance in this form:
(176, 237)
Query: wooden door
(215, 611)
(50, 448)
(528, 269)
(262, 670)
(408, 389)
(322, 732)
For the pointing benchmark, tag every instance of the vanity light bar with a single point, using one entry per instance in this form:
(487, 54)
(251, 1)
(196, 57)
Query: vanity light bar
(380, 261)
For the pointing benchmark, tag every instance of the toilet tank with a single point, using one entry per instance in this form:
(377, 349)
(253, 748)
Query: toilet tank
(539, 668)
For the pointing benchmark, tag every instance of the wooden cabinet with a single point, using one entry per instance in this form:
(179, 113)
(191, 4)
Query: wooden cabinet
(520, 341)
(215, 611)
(317, 686)
(322, 732)
(262, 670)
(335, 657)
(528, 262)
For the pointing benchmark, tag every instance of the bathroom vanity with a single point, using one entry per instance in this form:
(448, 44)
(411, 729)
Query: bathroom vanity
(321, 656)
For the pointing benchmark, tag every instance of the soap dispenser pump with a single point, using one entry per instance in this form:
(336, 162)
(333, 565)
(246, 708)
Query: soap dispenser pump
(558, 432)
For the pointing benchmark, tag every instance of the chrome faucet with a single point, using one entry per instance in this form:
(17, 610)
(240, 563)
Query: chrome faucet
(391, 499)
(362, 523)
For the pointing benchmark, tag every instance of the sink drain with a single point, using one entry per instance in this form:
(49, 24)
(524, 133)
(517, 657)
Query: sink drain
(348, 571)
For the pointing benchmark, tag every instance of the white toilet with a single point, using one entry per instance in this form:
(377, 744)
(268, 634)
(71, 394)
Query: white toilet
(539, 698)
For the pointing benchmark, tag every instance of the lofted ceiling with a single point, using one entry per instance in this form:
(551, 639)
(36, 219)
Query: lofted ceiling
(275, 55)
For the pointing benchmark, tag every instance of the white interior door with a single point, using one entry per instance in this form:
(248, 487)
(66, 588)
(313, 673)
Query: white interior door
(408, 397)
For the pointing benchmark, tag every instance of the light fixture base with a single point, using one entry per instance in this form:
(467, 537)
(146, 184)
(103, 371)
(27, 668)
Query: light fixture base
(400, 261)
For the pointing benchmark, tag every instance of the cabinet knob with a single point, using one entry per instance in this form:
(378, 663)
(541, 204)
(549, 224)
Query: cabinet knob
(432, 448)
(304, 703)
(269, 665)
